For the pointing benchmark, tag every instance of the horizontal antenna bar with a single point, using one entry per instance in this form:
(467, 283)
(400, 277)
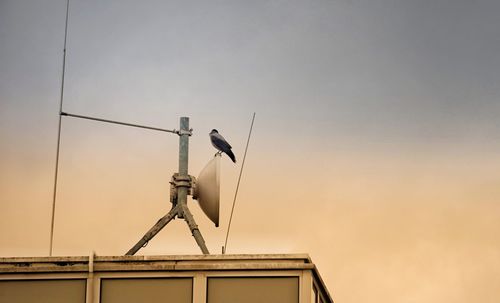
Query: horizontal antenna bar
(120, 123)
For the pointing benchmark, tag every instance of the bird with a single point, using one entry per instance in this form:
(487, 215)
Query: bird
(221, 144)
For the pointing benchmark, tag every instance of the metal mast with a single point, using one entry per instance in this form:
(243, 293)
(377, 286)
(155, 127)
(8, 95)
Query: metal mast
(181, 184)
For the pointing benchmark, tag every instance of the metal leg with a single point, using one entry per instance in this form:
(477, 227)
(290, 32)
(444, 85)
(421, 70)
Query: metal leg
(194, 229)
(154, 230)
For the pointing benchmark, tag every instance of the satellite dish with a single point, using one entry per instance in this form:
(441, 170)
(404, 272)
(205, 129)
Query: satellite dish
(207, 189)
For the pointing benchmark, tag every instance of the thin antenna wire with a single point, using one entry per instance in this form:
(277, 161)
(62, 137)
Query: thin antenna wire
(120, 123)
(224, 248)
(54, 194)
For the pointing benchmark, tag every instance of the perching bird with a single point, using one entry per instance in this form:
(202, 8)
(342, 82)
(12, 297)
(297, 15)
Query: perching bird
(221, 144)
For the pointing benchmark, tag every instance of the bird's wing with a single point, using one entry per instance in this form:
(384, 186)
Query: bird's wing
(220, 142)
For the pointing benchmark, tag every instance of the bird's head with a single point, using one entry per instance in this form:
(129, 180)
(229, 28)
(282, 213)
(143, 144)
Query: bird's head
(214, 131)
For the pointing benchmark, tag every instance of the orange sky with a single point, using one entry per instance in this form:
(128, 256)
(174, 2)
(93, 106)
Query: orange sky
(408, 225)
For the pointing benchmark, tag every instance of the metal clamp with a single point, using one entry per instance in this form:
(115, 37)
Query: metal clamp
(184, 132)
(180, 181)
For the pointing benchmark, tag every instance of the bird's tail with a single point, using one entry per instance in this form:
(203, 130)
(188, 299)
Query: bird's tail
(231, 155)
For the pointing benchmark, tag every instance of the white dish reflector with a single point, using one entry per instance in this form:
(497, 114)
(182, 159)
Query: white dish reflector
(207, 189)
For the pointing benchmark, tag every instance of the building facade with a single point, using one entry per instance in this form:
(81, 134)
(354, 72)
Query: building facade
(171, 279)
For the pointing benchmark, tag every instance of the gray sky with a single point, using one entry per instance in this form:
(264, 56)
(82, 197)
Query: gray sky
(381, 115)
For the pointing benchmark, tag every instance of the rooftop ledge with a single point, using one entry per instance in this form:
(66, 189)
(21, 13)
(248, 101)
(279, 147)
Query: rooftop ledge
(157, 263)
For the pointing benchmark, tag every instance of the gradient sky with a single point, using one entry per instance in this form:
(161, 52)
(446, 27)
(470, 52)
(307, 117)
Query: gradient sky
(376, 146)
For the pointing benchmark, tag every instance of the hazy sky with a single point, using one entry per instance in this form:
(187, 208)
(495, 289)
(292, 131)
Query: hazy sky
(376, 146)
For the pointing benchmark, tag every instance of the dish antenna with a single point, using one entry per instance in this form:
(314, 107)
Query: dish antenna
(206, 189)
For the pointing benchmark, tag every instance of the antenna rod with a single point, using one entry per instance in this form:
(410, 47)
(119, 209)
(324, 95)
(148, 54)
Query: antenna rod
(120, 123)
(224, 248)
(54, 194)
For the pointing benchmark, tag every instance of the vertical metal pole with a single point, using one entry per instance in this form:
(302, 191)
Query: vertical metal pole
(182, 191)
(184, 146)
(54, 193)
(183, 163)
